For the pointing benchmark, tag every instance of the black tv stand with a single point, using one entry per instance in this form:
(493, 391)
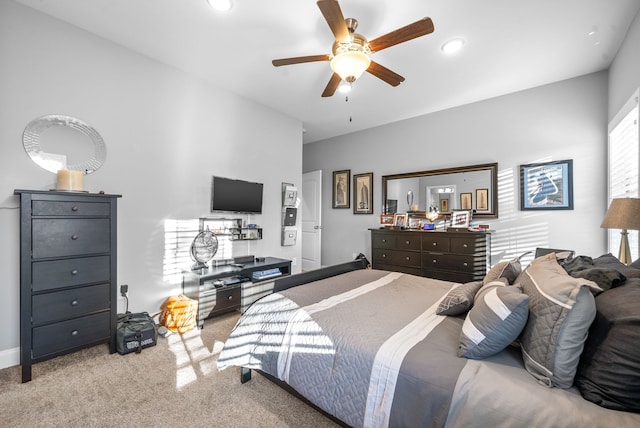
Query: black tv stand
(231, 287)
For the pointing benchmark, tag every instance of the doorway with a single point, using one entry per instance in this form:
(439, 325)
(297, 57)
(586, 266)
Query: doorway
(311, 220)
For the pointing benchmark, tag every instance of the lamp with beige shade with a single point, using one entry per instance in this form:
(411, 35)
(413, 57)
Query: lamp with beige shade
(623, 213)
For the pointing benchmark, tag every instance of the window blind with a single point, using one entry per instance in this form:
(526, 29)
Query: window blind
(624, 166)
(178, 236)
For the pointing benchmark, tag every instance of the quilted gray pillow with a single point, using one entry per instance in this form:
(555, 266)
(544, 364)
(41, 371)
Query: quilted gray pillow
(497, 317)
(459, 299)
(508, 269)
(561, 309)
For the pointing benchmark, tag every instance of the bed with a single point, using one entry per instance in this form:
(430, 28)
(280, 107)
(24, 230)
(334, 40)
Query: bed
(376, 348)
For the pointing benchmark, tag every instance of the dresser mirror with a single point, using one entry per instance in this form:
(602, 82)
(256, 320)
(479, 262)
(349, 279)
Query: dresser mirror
(56, 142)
(473, 187)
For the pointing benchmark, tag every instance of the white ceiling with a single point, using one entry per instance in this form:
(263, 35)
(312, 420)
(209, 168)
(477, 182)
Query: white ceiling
(510, 46)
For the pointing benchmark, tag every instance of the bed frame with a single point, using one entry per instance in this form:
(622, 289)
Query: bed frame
(290, 281)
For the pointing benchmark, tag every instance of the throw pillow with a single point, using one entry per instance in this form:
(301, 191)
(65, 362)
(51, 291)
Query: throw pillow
(609, 370)
(497, 317)
(508, 269)
(561, 309)
(459, 299)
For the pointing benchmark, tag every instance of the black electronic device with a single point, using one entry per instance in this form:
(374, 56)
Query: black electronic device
(238, 196)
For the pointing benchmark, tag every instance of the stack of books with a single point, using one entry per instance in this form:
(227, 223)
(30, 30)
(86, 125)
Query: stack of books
(264, 274)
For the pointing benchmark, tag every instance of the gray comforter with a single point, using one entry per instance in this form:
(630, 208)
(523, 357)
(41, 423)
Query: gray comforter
(368, 348)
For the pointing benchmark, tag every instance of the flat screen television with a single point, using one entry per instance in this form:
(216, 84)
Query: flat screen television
(236, 196)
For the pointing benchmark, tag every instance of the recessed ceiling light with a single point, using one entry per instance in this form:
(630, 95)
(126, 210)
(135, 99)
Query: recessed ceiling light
(452, 46)
(220, 5)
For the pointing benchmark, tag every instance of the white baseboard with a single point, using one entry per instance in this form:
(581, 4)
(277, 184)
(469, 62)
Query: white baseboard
(9, 358)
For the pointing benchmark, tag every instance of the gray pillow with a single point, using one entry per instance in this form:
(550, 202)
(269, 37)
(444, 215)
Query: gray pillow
(509, 269)
(498, 315)
(459, 299)
(561, 309)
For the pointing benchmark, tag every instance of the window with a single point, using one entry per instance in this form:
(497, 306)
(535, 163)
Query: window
(624, 166)
(178, 236)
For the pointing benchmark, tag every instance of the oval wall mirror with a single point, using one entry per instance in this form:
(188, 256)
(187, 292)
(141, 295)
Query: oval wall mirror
(56, 142)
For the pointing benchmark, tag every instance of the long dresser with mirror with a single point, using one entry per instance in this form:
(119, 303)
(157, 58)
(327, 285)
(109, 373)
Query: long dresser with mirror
(447, 255)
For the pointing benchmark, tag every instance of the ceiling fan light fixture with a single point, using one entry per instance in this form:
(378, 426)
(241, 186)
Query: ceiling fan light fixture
(350, 65)
(344, 88)
(221, 5)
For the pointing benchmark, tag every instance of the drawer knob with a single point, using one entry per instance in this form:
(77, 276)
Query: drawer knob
(408, 258)
(466, 245)
(74, 237)
(464, 264)
(230, 297)
(74, 272)
(435, 261)
(384, 240)
(75, 208)
(74, 303)
(435, 244)
(384, 255)
(75, 333)
(408, 242)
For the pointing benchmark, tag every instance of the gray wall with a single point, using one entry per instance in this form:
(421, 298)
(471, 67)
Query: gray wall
(624, 73)
(166, 135)
(564, 120)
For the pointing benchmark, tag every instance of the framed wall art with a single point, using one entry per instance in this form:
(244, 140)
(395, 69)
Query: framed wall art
(363, 193)
(444, 205)
(482, 200)
(341, 188)
(465, 201)
(547, 186)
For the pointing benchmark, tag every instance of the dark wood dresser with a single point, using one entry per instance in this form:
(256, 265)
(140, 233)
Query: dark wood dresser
(67, 273)
(451, 256)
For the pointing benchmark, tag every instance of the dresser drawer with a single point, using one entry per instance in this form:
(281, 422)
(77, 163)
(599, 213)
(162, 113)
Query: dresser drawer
(408, 241)
(61, 336)
(395, 268)
(459, 263)
(435, 242)
(469, 245)
(218, 299)
(444, 275)
(68, 208)
(52, 274)
(228, 298)
(69, 237)
(72, 303)
(384, 240)
(397, 257)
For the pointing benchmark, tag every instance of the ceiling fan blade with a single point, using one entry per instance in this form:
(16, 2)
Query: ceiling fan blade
(333, 15)
(383, 73)
(299, 60)
(403, 34)
(333, 84)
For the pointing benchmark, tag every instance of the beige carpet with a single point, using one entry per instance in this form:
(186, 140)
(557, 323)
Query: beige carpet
(175, 383)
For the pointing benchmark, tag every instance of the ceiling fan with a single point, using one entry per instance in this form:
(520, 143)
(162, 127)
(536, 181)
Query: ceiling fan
(351, 51)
